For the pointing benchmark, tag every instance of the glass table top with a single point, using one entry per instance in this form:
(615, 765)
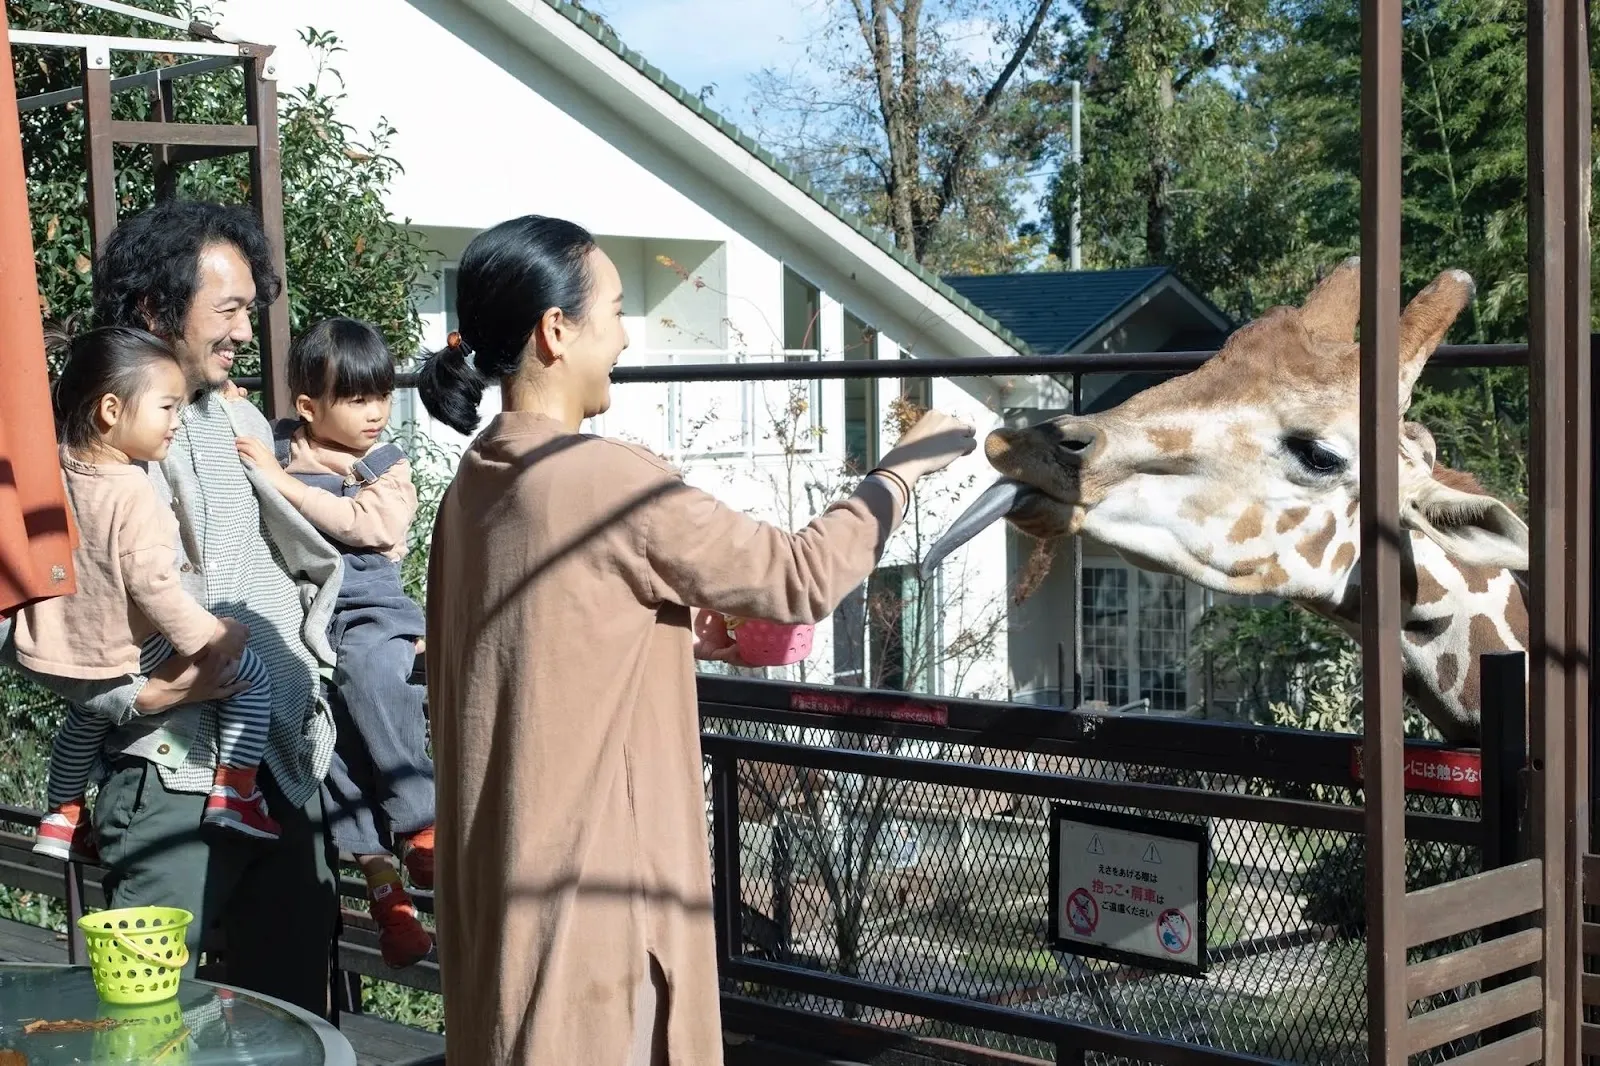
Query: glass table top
(204, 1025)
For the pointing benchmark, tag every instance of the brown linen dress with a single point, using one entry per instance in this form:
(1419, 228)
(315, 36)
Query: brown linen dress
(571, 805)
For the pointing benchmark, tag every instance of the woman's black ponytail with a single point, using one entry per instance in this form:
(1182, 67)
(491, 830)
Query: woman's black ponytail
(451, 389)
(509, 276)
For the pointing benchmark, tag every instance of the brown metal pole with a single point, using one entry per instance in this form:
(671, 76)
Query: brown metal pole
(1580, 490)
(266, 195)
(97, 147)
(1547, 666)
(1380, 525)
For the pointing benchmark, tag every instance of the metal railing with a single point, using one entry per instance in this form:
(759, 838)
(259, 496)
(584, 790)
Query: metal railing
(1447, 356)
(810, 793)
(822, 906)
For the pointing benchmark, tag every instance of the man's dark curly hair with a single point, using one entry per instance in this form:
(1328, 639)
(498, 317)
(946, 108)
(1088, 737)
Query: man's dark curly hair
(146, 275)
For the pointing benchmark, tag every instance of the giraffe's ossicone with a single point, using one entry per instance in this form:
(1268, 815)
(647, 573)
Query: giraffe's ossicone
(1243, 477)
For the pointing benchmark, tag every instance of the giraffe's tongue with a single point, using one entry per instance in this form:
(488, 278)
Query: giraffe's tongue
(997, 501)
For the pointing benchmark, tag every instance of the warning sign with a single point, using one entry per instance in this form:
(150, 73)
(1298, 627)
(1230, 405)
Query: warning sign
(1172, 929)
(1083, 913)
(1436, 770)
(1129, 889)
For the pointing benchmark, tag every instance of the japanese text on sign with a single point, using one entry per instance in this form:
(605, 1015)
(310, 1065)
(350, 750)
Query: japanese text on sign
(870, 707)
(1446, 773)
(1129, 888)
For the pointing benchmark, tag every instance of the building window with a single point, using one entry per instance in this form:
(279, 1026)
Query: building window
(917, 392)
(447, 292)
(850, 639)
(1135, 637)
(860, 398)
(802, 309)
(884, 633)
(900, 632)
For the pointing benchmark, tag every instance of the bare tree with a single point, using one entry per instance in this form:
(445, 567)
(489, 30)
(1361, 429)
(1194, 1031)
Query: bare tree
(914, 113)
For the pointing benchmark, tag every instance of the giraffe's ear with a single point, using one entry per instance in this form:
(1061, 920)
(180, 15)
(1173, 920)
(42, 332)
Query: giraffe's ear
(1426, 320)
(1473, 529)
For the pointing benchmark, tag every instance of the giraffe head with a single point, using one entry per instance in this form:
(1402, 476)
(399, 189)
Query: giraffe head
(1243, 475)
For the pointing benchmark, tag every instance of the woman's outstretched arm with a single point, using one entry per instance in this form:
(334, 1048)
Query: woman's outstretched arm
(697, 551)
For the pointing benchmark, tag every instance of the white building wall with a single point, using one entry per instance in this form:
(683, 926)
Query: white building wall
(486, 132)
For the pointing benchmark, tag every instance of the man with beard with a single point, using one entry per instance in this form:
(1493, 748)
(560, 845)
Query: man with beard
(192, 273)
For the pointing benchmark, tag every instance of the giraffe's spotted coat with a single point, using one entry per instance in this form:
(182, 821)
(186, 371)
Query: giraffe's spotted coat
(1206, 475)
(1314, 545)
(1429, 590)
(1249, 525)
(1448, 671)
(1171, 440)
(1292, 518)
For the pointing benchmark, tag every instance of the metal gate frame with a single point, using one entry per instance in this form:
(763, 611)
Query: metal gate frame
(174, 144)
(1560, 509)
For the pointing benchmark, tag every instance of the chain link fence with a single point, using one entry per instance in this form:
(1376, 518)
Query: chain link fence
(946, 890)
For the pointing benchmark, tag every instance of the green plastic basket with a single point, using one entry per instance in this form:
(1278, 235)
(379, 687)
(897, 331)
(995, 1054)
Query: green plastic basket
(152, 1033)
(137, 953)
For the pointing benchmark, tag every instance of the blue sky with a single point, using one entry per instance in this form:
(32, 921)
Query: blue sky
(716, 42)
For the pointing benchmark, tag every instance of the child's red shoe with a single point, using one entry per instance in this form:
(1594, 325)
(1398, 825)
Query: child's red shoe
(402, 940)
(416, 851)
(67, 834)
(240, 814)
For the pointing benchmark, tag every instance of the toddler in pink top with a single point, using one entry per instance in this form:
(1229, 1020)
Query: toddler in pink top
(117, 405)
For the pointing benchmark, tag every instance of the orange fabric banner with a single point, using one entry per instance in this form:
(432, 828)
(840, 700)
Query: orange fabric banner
(35, 524)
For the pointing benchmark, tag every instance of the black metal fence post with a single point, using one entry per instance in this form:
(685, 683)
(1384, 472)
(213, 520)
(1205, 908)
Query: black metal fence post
(782, 887)
(1503, 736)
(1504, 740)
(77, 948)
(725, 854)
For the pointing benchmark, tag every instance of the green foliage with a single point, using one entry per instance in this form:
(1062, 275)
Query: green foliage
(26, 729)
(1175, 159)
(408, 1006)
(346, 255)
(1288, 667)
(432, 465)
(1277, 657)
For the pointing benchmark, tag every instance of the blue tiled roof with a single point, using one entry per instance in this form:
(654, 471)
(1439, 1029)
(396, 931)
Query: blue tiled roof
(1054, 311)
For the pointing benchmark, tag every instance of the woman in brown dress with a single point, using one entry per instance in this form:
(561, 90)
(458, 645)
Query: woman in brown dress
(574, 885)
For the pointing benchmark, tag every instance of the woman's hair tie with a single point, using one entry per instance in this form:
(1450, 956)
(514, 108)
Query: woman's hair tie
(460, 348)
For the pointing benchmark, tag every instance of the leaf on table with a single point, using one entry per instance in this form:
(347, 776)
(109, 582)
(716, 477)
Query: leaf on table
(71, 1025)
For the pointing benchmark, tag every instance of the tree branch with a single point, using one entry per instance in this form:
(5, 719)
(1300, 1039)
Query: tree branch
(950, 174)
(1207, 57)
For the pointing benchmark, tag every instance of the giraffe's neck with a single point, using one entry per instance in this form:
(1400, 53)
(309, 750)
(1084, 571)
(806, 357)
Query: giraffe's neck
(1451, 615)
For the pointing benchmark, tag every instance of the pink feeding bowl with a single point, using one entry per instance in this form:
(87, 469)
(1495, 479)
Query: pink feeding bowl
(763, 643)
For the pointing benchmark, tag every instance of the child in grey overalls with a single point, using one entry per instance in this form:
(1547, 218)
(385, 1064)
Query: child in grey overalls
(330, 464)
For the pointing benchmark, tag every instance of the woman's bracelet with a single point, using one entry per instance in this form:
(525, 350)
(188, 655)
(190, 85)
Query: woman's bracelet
(905, 488)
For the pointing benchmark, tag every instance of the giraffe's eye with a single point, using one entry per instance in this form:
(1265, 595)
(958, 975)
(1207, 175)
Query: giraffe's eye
(1315, 457)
